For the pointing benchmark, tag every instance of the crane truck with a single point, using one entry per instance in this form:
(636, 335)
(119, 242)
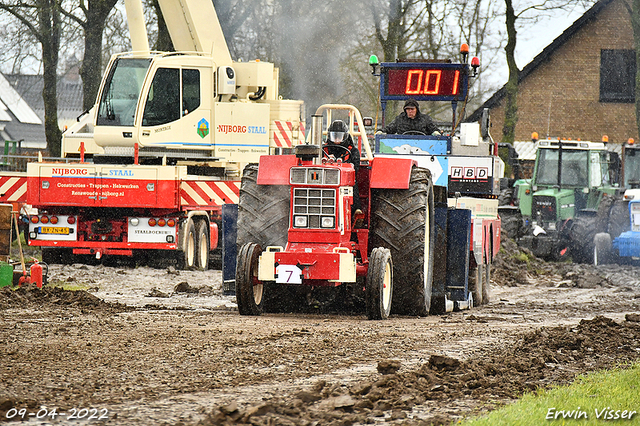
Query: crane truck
(161, 153)
(428, 227)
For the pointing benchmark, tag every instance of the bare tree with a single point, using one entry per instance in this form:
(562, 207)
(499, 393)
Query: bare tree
(42, 18)
(95, 15)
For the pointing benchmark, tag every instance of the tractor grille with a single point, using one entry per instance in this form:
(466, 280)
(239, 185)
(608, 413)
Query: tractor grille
(314, 208)
(544, 208)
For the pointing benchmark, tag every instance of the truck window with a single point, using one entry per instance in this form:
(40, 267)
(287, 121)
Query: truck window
(121, 92)
(163, 101)
(632, 168)
(190, 90)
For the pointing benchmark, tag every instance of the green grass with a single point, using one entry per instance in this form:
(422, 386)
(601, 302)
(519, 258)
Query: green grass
(610, 392)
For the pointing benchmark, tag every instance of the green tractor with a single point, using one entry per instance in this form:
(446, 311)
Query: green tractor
(553, 214)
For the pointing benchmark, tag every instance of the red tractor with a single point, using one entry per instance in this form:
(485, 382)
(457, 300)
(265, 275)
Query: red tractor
(312, 194)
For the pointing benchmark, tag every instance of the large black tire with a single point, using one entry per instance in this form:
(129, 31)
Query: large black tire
(186, 258)
(581, 234)
(619, 220)
(476, 283)
(505, 198)
(249, 291)
(263, 211)
(402, 221)
(511, 223)
(263, 219)
(203, 244)
(379, 286)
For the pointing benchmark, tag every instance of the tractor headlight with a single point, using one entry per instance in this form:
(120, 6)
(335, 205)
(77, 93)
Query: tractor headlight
(328, 222)
(300, 221)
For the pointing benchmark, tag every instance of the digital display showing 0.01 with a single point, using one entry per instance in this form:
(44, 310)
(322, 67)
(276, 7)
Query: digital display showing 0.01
(424, 81)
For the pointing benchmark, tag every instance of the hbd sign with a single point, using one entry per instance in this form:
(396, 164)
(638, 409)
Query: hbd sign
(469, 173)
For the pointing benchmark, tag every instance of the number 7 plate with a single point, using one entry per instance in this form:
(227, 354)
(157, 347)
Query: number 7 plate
(288, 274)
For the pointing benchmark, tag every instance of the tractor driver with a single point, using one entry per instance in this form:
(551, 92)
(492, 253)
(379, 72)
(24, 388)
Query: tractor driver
(340, 145)
(411, 120)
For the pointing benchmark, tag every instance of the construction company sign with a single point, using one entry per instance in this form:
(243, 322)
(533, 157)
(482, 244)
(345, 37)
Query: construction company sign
(241, 131)
(95, 185)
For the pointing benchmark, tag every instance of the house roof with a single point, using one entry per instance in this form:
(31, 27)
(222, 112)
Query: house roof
(22, 107)
(542, 56)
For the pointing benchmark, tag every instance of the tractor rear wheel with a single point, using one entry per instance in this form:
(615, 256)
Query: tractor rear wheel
(249, 291)
(263, 211)
(402, 221)
(379, 286)
(581, 235)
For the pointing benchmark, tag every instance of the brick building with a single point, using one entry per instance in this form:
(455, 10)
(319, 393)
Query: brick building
(581, 85)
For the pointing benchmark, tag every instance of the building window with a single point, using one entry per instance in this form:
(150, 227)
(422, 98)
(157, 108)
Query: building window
(617, 75)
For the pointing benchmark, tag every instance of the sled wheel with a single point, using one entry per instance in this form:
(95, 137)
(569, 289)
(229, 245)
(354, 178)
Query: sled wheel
(601, 249)
(379, 286)
(486, 285)
(203, 243)
(249, 291)
(476, 281)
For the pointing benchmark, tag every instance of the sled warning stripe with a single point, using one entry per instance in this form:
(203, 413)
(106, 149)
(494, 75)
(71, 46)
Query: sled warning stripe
(209, 193)
(283, 136)
(13, 189)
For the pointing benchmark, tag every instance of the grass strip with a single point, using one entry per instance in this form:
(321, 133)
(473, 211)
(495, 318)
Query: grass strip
(605, 397)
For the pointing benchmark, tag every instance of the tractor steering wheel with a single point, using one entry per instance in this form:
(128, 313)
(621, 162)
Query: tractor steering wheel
(345, 157)
(414, 132)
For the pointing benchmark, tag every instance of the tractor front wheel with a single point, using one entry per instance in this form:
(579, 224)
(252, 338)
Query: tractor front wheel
(379, 287)
(476, 283)
(249, 290)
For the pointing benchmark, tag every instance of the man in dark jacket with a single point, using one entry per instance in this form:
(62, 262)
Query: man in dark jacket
(340, 145)
(412, 120)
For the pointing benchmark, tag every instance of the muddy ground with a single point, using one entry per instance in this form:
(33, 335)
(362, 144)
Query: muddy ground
(144, 346)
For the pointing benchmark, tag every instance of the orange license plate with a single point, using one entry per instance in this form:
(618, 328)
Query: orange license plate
(54, 230)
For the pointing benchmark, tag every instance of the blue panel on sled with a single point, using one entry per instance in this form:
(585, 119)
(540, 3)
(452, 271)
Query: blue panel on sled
(438, 289)
(229, 248)
(458, 246)
(413, 144)
(628, 244)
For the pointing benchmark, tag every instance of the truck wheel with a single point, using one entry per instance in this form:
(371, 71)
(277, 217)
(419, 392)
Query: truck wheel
(402, 221)
(187, 256)
(476, 283)
(202, 259)
(263, 211)
(249, 291)
(379, 286)
(581, 235)
(601, 249)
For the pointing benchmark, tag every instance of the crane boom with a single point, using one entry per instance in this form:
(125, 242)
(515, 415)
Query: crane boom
(194, 27)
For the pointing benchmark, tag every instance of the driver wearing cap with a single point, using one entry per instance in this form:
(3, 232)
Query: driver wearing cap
(411, 120)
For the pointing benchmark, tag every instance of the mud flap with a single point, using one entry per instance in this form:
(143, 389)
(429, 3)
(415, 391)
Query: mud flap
(229, 248)
(458, 243)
